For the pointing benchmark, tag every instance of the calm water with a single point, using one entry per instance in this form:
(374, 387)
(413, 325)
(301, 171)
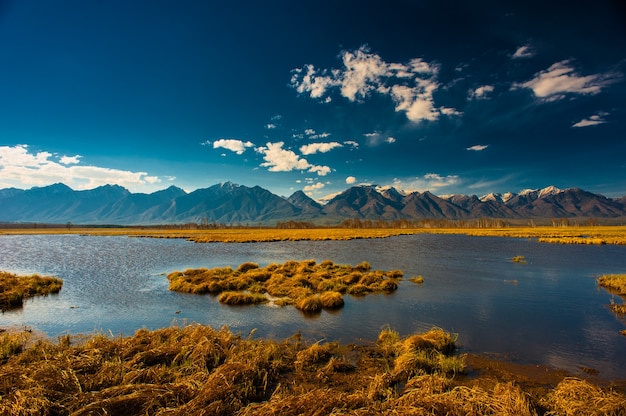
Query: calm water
(554, 315)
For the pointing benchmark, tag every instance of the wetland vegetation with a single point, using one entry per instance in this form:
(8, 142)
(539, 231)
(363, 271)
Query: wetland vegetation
(196, 369)
(14, 289)
(596, 235)
(305, 284)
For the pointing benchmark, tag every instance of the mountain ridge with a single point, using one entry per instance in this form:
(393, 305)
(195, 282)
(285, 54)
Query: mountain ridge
(229, 203)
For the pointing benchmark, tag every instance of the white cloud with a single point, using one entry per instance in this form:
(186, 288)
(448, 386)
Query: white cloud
(523, 52)
(276, 117)
(478, 147)
(390, 140)
(22, 168)
(309, 132)
(278, 159)
(593, 120)
(308, 80)
(70, 160)
(350, 180)
(428, 182)
(319, 136)
(314, 187)
(351, 143)
(309, 149)
(234, 145)
(561, 79)
(410, 86)
(270, 126)
(481, 92)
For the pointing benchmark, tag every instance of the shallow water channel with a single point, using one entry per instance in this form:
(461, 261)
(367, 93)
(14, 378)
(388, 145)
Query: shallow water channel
(547, 311)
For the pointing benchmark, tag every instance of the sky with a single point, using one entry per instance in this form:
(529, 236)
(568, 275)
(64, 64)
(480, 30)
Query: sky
(445, 96)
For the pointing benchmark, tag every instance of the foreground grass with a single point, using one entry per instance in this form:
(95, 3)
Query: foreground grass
(14, 289)
(307, 285)
(202, 371)
(561, 235)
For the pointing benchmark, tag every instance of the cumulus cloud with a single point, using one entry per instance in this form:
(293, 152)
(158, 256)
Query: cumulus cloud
(234, 145)
(478, 147)
(428, 182)
(70, 160)
(278, 159)
(313, 187)
(523, 52)
(313, 148)
(593, 120)
(410, 85)
(351, 143)
(270, 126)
(350, 180)
(390, 140)
(22, 168)
(481, 92)
(561, 79)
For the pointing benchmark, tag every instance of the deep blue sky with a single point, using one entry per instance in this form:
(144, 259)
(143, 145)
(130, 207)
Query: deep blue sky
(451, 97)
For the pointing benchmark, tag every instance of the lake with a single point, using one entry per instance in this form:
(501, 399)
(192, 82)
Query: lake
(548, 311)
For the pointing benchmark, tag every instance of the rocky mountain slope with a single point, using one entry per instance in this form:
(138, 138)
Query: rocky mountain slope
(229, 203)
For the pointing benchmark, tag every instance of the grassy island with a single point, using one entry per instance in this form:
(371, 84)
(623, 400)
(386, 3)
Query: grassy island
(306, 285)
(202, 371)
(14, 289)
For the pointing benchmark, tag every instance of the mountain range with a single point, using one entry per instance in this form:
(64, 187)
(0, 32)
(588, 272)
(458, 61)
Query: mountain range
(229, 203)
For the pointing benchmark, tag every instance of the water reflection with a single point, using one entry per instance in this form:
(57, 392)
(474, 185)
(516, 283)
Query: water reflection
(553, 314)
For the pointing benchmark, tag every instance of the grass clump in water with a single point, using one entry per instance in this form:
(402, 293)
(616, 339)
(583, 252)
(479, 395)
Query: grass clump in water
(305, 284)
(614, 282)
(519, 259)
(241, 298)
(417, 279)
(14, 289)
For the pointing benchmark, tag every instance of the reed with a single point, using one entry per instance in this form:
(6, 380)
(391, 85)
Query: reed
(14, 289)
(196, 369)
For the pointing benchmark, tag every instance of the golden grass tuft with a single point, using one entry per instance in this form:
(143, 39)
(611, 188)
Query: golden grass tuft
(240, 298)
(311, 303)
(575, 397)
(332, 300)
(417, 279)
(615, 283)
(519, 259)
(294, 282)
(14, 289)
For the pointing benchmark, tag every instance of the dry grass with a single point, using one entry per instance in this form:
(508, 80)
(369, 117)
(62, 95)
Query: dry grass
(305, 284)
(519, 259)
(417, 279)
(573, 397)
(240, 298)
(14, 289)
(202, 371)
(615, 283)
(547, 234)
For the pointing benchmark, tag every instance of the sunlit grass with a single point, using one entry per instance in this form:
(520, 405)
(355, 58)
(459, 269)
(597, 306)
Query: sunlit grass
(196, 369)
(548, 234)
(614, 282)
(14, 289)
(305, 284)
